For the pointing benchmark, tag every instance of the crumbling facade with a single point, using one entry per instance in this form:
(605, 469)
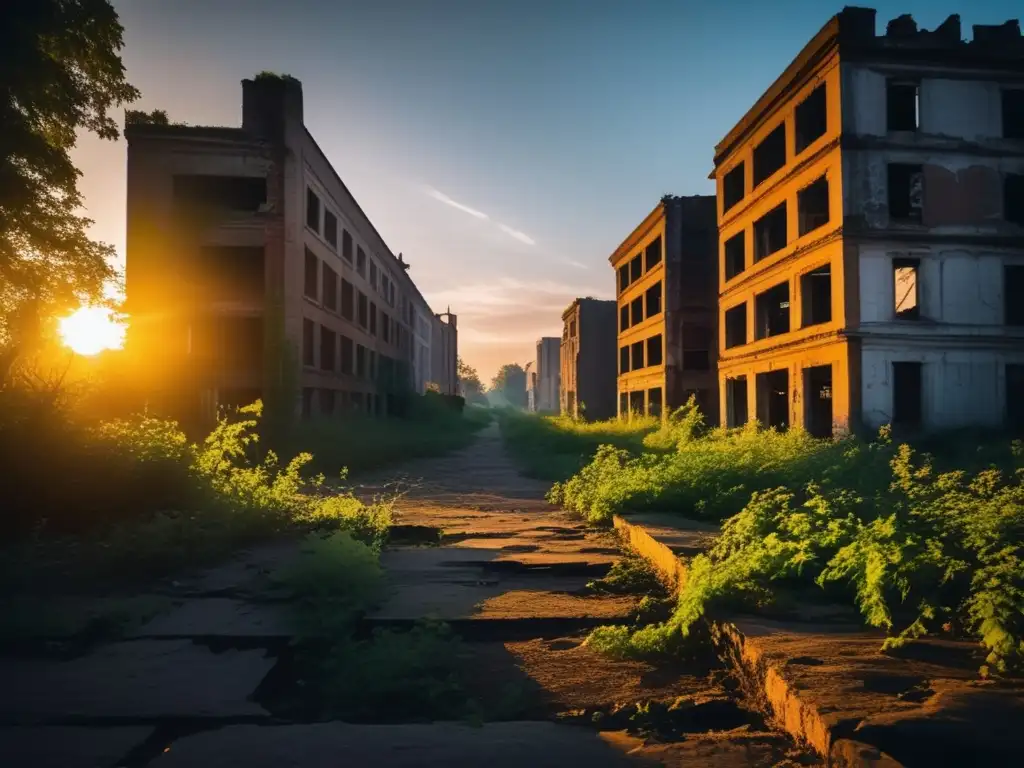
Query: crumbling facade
(871, 231)
(666, 289)
(588, 359)
(253, 272)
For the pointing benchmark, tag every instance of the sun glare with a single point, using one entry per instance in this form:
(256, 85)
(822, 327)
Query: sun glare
(90, 330)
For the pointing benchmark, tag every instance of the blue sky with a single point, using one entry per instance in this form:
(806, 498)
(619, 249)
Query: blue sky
(506, 147)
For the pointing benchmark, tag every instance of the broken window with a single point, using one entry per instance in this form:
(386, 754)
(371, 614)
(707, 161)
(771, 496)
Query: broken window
(1014, 402)
(905, 294)
(696, 348)
(312, 268)
(653, 300)
(623, 277)
(636, 310)
(312, 210)
(654, 401)
(652, 254)
(770, 233)
(732, 187)
(735, 255)
(330, 288)
(328, 345)
(816, 296)
(811, 118)
(1013, 113)
(772, 312)
(654, 355)
(331, 231)
(812, 206)
(906, 394)
(360, 361)
(773, 399)
(1013, 294)
(346, 355)
(770, 154)
(736, 326)
(346, 245)
(818, 400)
(906, 191)
(364, 310)
(623, 405)
(347, 303)
(636, 358)
(373, 319)
(231, 193)
(624, 317)
(308, 342)
(902, 104)
(360, 261)
(1013, 198)
(736, 401)
(636, 268)
(624, 359)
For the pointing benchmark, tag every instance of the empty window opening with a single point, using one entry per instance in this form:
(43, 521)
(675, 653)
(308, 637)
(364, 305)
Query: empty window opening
(623, 277)
(364, 310)
(624, 359)
(346, 355)
(906, 394)
(733, 187)
(308, 342)
(906, 192)
(816, 296)
(346, 245)
(360, 261)
(735, 255)
(1013, 198)
(653, 300)
(347, 304)
(636, 361)
(696, 348)
(654, 355)
(1014, 402)
(811, 118)
(385, 326)
(1013, 113)
(624, 317)
(232, 272)
(818, 400)
(328, 345)
(1013, 294)
(360, 361)
(636, 310)
(902, 103)
(307, 402)
(772, 311)
(312, 268)
(770, 233)
(331, 233)
(736, 401)
(330, 288)
(773, 399)
(242, 339)
(906, 298)
(652, 254)
(312, 210)
(373, 319)
(812, 206)
(572, 329)
(327, 402)
(636, 268)
(654, 401)
(623, 405)
(228, 193)
(636, 403)
(736, 326)
(770, 154)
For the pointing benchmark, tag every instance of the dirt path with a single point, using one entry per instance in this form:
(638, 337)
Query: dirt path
(212, 680)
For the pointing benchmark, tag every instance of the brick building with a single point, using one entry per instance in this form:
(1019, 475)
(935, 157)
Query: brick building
(588, 359)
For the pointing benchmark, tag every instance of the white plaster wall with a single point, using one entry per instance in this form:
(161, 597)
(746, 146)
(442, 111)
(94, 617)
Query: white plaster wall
(863, 101)
(967, 109)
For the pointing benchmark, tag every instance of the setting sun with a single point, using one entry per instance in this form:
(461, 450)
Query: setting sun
(90, 330)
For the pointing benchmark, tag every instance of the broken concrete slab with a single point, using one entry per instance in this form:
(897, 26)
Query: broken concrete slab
(245, 573)
(145, 679)
(27, 618)
(68, 746)
(220, 617)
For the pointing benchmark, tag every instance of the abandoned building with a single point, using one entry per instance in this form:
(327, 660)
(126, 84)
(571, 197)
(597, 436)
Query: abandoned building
(546, 376)
(666, 289)
(251, 271)
(588, 359)
(871, 230)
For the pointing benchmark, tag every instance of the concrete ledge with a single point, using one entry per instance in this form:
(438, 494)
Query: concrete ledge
(663, 539)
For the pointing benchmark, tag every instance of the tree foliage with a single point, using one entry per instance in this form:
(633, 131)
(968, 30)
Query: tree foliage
(60, 74)
(469, 380)
(510, 384)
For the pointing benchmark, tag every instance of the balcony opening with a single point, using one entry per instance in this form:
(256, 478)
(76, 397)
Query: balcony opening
(636, 310)
(773, 399)
(624, 359)
(1013, 198)
(311, 275)
(696, 348)
(772, 312)
(312, 210)
(347, 304)
(736, 401)
(636, 361)
(636, 268)
(732, 187)
(1013, 294)
(225, 193)
(735, 255)
(654, 401)
(906, 192)
(331, 232)
(1014, 402)
(736, 326)
(623, 277)
(811, 118)
(346, 355)
(906, 394)
(812, 206)
(328, 346)
(231, 272)
(330, 288)
(636, 403)
(905, 288)
(816, 296)
(902, 105)
(653, 300)
(654, 355)
(818, 400)
(770, 154)
(308, 342)
(652, 254)
(770, 233)
(1013, 113)
(346, 245)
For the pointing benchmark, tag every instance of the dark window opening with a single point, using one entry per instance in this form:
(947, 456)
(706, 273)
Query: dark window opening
(811, 118)
(1013, 294)
(308, 342)
(636, 310)
(385, 326)
(735, 255)
(347, 305)
(906, 298)
(1014, 402)
(231, 272)
(624, 317)
(636, 403)
(636, 268)
(654, 356)
(816, 296)
(328, 345)
(1013, 113)
(373, 319)
(360, 261)
(736, 401)
(770, 154)
(770, 233)
(818, 400)
(653, 300)
(772, 312)
(736, 326)
(243, 344)
(346, 245)
(696, 348)
(636, 361)
(696, 360)
(331, 232)
(623, 277)
(327, 402)
(623, 405)
(312, 210)
(654, 401)
(346, 355)
(307, 402)
(732, 187)
(773, 399)
(902, 104)
(906, 394)
(572, 329)
(330, 288)
(360, 360)
(364, 310)
(812, 206)
(312, 268)
(229, 193)
(624, 359)
(1013, 198)
(906, 192)
(652, 255)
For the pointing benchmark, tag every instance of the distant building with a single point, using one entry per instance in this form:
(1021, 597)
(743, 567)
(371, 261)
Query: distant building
(588, 359)
(532, 391)
(548, 372)
(444, 353)
(667, 293)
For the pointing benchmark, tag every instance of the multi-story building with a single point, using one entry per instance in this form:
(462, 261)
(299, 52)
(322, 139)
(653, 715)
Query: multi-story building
(588, 359)
(548, 370)
(251, 269)
(871, 219)
(666, 288)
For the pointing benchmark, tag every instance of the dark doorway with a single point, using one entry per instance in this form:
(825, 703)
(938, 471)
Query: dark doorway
(906, 394)
(736, 401)
(773, 399)
(818, 400)
(636, 403)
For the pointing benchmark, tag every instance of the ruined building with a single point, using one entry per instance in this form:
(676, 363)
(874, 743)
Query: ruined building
(548, 375)
(253, 272)
(666, 288)
(588, 359)
(871, 229)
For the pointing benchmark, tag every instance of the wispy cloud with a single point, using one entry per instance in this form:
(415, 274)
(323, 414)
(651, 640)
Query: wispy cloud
(520, 236)
(577, 264)
(455, 204)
